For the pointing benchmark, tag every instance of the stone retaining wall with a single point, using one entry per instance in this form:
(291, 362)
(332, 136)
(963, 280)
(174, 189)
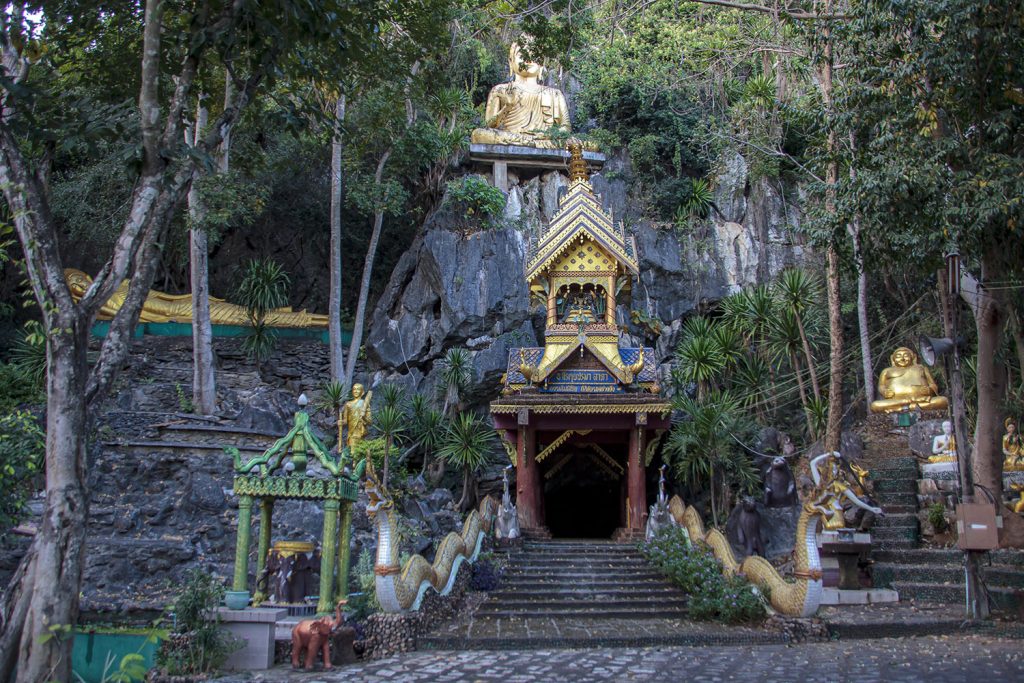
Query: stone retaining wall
(388, 634)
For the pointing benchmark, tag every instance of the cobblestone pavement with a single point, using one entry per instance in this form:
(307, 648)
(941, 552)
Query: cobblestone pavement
(935, 659)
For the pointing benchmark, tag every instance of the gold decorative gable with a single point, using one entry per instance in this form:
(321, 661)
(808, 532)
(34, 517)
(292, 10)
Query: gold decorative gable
(587, 257)
(580, 219)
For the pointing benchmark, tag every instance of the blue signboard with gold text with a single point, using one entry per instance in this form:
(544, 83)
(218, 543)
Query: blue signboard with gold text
(597, 381)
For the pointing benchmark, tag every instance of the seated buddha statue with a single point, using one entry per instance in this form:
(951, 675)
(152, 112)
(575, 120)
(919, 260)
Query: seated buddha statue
(521, 111)
(944, 445)
(907, 384)
(1013, 449)
(162, 308)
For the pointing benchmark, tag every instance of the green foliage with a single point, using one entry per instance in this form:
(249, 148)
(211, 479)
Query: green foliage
(332, 397)
(456, 370)
(937, 517)
(22, 450)
(185, 404)
(262, 286)
(363, 602)
(199, 644)
(703, 450)
(468, 442)
(391, 395)
(479, 202)
(712, 596)
(29, 354)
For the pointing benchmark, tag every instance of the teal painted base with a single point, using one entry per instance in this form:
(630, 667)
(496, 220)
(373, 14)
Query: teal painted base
(101, 328)
(96, 655)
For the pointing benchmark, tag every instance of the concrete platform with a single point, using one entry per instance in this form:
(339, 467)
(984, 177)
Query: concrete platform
(256, 627)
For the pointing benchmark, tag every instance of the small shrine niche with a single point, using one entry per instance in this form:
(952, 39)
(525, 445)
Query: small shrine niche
(297, 467)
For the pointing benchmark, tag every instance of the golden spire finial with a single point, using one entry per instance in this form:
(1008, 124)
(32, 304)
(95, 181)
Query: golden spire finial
(577, 164)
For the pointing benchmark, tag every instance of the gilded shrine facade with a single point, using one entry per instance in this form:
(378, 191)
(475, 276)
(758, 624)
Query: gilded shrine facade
(581, 407)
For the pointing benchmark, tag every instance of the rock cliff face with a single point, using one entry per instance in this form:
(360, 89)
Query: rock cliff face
(455, 290)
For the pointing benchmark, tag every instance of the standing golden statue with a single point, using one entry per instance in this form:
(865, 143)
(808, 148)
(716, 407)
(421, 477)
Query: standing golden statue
(907, 384)
(355, 415)
(522, 111)
(1013, 449)
(160, 307)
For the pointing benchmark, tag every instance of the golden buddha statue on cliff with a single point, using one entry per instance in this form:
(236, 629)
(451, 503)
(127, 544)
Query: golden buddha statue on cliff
(907, 384)
(177, 308)
(522, 111)
(1013, 449)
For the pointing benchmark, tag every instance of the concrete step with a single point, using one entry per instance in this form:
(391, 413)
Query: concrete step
(596, 612)
(587, 593)
(997, 575)
(649, 581)
(543, 637)
(894, 533)
(904, 519)
(574, 605)
(216, 434)
(622, 563)
(1006, 558)
(887, 486)
(887, 499)
(1004, 599)
(895, 544)
(573, 549)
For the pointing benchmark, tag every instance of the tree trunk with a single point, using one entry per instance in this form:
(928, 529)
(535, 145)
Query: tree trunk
(204, 382)
(853, 228)
(795, 362)
(465, 501)
(364, 285)
(834, 426)
(809, 357)
(57, 551)
(337, 202)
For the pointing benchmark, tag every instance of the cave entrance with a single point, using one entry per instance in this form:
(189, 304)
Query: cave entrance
(583, 494)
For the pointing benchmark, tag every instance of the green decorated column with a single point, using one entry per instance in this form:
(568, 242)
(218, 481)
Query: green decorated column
(344, 543)
(327, 557)
(263, 546)
(241, 579)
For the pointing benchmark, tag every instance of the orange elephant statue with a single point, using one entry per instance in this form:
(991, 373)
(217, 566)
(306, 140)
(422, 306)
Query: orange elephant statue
(314, 635)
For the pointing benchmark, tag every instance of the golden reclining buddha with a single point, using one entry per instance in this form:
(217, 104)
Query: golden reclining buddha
(907, 384)
(160, 307)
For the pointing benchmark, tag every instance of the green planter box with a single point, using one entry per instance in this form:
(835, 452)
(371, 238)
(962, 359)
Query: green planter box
(92, 649)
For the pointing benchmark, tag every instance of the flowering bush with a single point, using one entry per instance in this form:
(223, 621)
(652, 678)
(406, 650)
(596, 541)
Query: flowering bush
(712, 596)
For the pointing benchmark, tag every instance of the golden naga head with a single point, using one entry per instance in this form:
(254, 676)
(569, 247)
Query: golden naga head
(903, 357)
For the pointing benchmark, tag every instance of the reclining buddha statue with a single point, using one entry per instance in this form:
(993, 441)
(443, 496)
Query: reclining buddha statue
(163, 308)
(907, 384)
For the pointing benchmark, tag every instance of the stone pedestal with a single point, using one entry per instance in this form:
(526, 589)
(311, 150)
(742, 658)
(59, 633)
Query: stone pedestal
(503, 157)
(256, 628)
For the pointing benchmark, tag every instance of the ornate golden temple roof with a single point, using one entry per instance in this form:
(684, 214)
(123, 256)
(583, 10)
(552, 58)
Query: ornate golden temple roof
(581, 216)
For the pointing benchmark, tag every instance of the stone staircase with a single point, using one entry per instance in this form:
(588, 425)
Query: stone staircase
(895, 480)
(583, 580)
(929, 575)
(582, 593)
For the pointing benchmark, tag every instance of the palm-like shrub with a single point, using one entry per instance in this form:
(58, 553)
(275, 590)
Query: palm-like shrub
(455, 374)
(262, 286)
(390, 424)
(467, 443)
(704, 451)
(699, 358)
(798, 292)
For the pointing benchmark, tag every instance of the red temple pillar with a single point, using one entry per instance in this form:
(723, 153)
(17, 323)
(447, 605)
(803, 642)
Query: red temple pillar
(528, 494)
(637, 488)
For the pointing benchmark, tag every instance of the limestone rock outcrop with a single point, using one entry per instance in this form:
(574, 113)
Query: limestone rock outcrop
(451, 289)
